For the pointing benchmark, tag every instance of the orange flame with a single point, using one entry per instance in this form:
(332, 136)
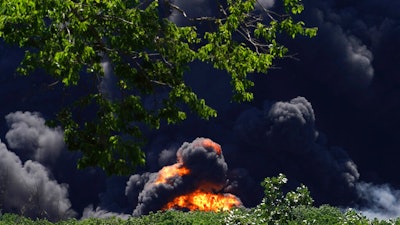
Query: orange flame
(167, 172)
(199, 200)
(208, 143)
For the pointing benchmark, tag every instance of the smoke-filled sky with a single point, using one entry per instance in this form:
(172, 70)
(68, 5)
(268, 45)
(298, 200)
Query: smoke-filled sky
(328, 119)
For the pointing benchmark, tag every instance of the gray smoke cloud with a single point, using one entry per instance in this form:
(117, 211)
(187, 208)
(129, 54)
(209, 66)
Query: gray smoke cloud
(98, 212)
(27, 189)
(380, 201)
(167, 157)
(31, 138)
(348, 63)
(136, 184)
(208, 172)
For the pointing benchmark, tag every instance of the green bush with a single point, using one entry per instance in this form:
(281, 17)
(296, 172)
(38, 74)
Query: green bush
(173, 217)
(323, 215)
(275, 207)
(11, 219)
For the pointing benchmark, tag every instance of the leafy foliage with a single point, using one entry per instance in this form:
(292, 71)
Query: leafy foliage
(11, 219)
(159, 218)
(323, 215)
(173, 217)
(295, 208)
(307, 216)
(275, 207)
(148, 54)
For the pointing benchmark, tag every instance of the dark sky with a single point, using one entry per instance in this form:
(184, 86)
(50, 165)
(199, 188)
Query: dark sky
(328, 119)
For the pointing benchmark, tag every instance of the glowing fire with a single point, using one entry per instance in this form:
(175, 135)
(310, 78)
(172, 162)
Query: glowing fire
(167, 172)
(199, 200)
(208, 143)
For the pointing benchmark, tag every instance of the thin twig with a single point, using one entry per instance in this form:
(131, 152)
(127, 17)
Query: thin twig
(203, 18)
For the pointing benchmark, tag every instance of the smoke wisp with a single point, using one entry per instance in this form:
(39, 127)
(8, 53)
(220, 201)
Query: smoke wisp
(379, 201)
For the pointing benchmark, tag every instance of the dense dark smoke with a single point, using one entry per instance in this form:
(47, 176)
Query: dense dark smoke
(285, 132)
(343, 59)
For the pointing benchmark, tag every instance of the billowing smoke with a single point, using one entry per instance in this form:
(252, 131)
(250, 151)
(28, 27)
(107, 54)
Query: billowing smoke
(379, 201)
(349, 62)
(200, 167)
(30, 169)
(31, 138)
(28, 189)
(285, 131)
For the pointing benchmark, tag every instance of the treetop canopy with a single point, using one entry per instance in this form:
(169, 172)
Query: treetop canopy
(148, 54)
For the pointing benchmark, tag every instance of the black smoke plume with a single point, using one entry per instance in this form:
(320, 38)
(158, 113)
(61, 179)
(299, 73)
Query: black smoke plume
(285, 132)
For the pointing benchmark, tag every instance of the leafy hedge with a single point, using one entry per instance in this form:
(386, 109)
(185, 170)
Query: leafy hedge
(160, 218)
(324, 215)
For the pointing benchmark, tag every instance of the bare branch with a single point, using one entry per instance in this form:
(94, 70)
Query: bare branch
(269, 13)
(161, 83)
(203, 18)
(118, 18)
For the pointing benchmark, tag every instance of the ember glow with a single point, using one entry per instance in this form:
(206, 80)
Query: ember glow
(208, 143)
(204, 201)
(178, 169)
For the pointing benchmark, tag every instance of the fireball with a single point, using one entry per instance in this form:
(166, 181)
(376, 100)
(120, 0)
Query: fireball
(168, 172)
(204, 201)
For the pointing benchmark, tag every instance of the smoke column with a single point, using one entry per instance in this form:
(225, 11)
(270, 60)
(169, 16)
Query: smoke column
(285, 132)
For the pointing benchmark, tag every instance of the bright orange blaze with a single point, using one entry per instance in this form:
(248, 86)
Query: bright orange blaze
(207, 143)
(167, 172)
(204, 201)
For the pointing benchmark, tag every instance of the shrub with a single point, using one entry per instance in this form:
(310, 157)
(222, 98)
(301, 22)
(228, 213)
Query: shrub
(173, 217)
(275, 208)
(325, 214)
